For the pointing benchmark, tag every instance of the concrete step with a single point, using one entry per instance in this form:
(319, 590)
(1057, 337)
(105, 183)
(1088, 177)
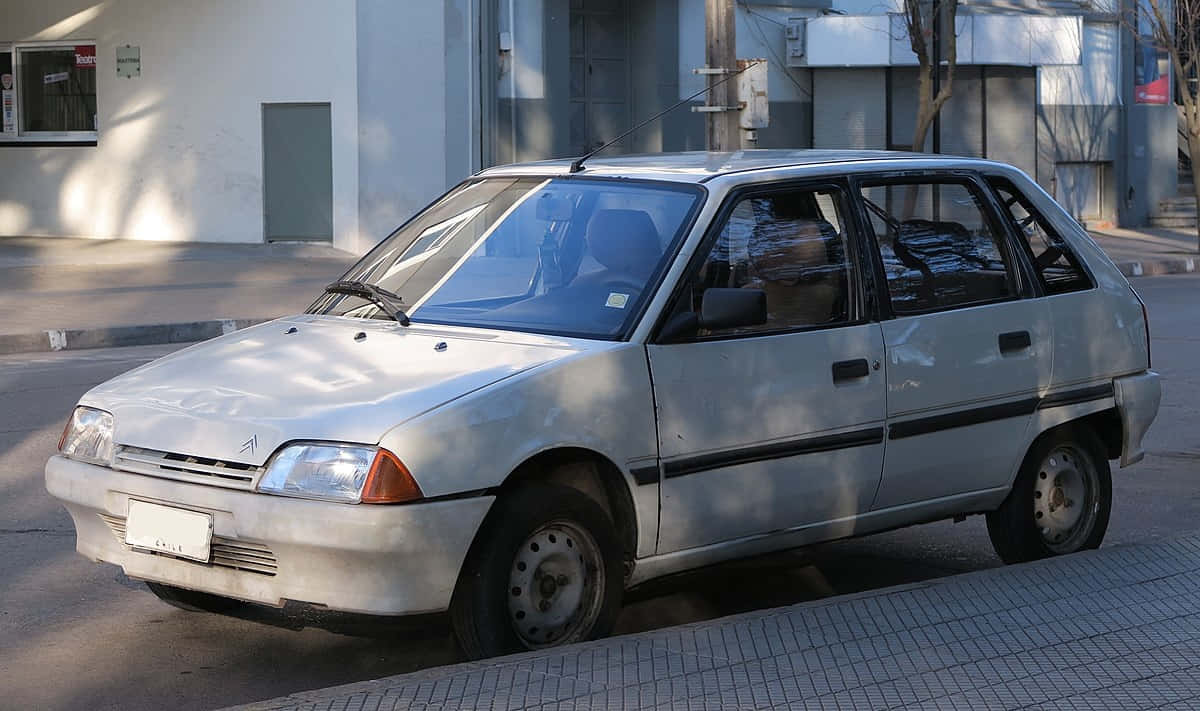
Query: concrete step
(1179, 202)
(1159, 221)
(1164, 211)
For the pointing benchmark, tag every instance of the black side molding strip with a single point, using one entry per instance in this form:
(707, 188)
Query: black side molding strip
(987, 413)
(962, 418)
(909, 428)
(775, 450)
(1078, 395)
(645, 475)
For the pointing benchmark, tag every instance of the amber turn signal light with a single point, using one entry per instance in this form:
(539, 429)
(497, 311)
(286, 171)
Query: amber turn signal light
(389, 481)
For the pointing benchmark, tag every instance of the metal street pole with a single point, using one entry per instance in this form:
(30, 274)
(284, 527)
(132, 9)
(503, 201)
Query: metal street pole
(722, 132)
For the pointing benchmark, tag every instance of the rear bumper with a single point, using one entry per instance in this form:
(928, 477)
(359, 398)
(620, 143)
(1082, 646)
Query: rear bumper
(387, 560)
(1137, 397)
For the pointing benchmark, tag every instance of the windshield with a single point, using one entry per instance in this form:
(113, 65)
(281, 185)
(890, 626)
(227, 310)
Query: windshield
(566, 256)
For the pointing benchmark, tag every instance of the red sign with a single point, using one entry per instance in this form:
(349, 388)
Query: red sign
(1153, 93)
(85, 56)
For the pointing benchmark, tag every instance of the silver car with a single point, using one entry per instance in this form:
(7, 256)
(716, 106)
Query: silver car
(551, 385)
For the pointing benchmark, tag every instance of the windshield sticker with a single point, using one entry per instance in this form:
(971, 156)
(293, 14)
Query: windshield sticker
(617, 301)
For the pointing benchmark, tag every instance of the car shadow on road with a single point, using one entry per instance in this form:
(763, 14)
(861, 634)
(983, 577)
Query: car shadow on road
(766, 581)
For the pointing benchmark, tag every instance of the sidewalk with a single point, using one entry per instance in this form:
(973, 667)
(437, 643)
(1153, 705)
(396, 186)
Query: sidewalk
(58, 294)
(1150, 251)
(1117, 628)
(65, 294)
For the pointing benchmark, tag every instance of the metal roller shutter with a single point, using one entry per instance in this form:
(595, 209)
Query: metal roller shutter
(1011, 94)
(962, 116)
(849, 108)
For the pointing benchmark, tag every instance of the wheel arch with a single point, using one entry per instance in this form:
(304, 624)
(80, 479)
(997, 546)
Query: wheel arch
(1105, 423)
(591, 473)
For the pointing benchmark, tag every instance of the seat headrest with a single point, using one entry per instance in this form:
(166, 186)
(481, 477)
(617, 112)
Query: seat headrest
(919, 234)
(624, 240)
(801, 243)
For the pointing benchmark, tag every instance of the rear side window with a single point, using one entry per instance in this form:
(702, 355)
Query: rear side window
(1053, 259)
(939, 249)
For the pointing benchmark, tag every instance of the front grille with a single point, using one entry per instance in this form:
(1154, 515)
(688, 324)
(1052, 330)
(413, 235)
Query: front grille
(226, 552)
(183, 467)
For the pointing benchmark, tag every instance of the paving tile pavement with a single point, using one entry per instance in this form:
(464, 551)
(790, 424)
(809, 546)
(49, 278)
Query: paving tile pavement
(1117, 628)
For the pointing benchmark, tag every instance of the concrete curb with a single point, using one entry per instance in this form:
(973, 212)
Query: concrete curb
(71, 339)
(1156, 267)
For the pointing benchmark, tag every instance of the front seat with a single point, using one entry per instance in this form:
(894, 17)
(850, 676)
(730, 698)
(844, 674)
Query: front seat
(625, 243)
(799, 264)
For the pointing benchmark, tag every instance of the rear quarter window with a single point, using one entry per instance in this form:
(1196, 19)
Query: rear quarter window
(1059, 269)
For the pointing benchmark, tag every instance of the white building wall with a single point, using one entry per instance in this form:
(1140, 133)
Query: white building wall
(179, 155)
(1092, 82)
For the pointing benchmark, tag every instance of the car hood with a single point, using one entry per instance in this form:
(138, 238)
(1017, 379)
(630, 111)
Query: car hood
(238, 397)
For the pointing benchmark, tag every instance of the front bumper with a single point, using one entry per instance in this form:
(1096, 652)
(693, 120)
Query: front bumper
(387, 560)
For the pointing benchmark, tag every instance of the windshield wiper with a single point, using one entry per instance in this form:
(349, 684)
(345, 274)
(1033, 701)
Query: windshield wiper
(384, 299)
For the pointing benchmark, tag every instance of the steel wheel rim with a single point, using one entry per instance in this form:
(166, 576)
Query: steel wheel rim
(556, 585)
(1065, 500)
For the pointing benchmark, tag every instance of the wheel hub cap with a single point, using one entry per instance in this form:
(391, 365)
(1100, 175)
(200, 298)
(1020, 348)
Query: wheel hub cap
(1064, 498)
(555, 585)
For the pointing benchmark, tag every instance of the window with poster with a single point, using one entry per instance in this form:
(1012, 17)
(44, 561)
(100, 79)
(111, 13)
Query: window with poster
(48, 92)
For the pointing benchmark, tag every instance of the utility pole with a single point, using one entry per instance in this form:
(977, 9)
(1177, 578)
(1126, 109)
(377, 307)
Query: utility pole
(722, 132)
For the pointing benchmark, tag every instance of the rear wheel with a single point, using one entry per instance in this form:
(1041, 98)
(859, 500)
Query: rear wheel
(545, 570)
(1060, 502)
(193, 600)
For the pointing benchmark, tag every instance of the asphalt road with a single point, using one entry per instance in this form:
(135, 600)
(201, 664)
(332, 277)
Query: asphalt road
(79, 635)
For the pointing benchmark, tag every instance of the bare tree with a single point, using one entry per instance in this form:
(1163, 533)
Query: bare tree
(929, 22)
(1178, 33)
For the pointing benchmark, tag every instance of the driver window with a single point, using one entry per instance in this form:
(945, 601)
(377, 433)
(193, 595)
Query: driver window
(791, 244)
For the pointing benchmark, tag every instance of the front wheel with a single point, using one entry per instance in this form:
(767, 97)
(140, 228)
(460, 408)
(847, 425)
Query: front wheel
(1060, 502)
(545, 570)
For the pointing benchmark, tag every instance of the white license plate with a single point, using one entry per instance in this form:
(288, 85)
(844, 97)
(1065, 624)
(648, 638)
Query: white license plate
(178, 532)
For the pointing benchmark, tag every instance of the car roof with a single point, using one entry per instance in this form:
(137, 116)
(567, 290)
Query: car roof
(700, 166)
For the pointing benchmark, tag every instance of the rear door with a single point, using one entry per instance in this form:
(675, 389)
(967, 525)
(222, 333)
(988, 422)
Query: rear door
(772, 427)
(968, 341)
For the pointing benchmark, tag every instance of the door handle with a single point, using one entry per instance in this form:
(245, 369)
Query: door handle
(1014, 341)
(844, 370)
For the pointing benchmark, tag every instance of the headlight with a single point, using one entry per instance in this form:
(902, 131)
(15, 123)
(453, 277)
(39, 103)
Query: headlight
(345, 473)
(88, 436)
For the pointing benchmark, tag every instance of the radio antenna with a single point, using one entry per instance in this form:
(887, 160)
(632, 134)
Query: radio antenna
(577, 164)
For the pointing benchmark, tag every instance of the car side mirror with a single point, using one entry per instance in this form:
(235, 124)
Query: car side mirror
(722, 308)
(719, 308)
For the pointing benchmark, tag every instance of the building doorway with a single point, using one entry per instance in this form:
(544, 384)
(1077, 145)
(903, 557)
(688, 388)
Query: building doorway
(297, 172)
(600, 78)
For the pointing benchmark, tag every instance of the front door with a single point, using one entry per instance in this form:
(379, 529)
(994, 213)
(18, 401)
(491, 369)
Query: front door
(779, 425)
(968, 349)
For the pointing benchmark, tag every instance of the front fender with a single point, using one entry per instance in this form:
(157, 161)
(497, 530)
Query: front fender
(599, 400)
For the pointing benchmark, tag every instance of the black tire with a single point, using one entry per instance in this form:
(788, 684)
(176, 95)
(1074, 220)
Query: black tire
(1027, 526)
(490, 584)
(193, 600)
